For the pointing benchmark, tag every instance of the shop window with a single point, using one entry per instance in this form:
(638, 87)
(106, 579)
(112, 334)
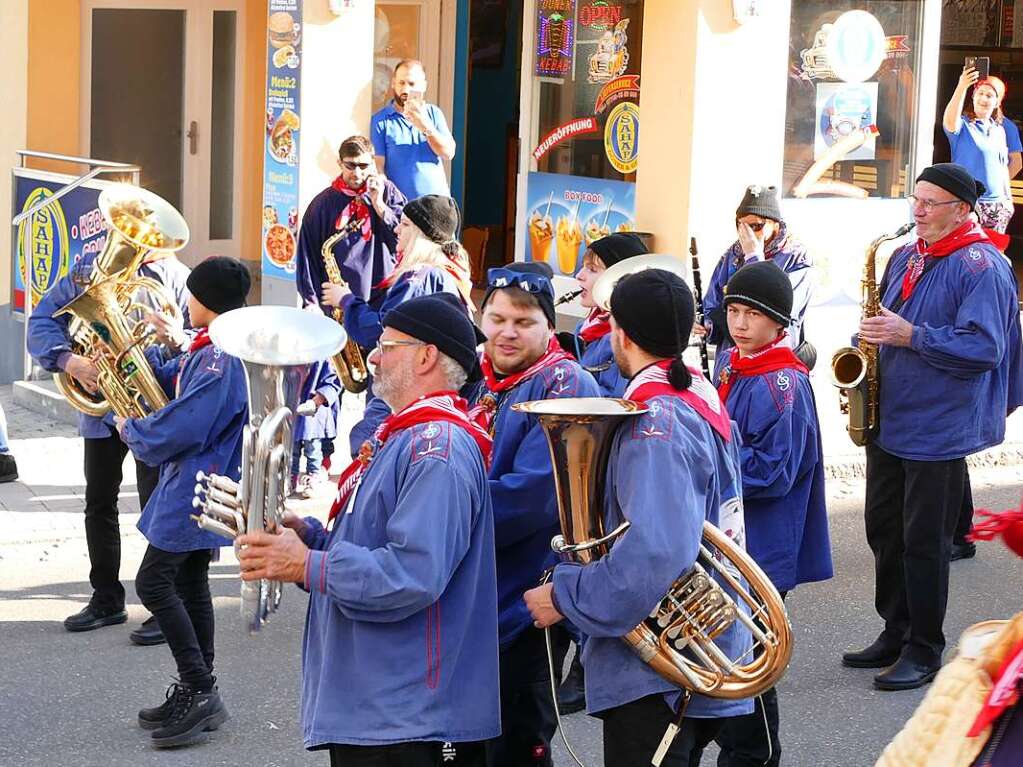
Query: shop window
(585, 83)
(851, 111)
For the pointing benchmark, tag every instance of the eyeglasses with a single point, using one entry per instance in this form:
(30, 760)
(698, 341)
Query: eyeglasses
(929, 205)
(756, 226)
(349, 165)
(383, 345)
(527, 281)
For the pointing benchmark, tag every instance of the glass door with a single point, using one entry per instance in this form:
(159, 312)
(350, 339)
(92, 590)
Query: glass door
(405, 30)
(162, 82)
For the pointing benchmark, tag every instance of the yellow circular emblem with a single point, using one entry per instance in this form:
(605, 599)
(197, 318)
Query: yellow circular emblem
(44, 237)
(621, 137)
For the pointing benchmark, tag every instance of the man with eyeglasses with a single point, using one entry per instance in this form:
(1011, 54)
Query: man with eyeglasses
(948, 349)
(366, 208)
(400, 658)
(522, 361)
(762, 236)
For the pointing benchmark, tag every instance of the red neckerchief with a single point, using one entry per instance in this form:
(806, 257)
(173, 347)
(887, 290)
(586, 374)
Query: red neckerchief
(596, 325)
(775, 356)
(440, 406)
(486, 409)
(355, 216)
(967, 234)
(701, 395)
(201, 339)
(1005, 692)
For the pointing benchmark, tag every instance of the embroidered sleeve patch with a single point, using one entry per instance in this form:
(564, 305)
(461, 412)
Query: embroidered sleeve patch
(562, 380)
(976, 260)
(431, 440)
(655, 423)
(214, 361)
(782, 385)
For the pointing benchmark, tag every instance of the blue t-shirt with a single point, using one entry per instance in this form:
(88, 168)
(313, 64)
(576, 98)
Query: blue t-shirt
(409, 161)
(980, 146)
(1012, 140)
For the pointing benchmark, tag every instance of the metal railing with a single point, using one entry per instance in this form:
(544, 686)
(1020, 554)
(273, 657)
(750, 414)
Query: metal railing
(95, 168)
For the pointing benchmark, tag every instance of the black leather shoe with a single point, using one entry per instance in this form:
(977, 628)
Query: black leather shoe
(8, 468)
(148, 633)
(963, 550)
(193, 714)
(878, 655)
(90, 617)
(572, 690)
(906, 674)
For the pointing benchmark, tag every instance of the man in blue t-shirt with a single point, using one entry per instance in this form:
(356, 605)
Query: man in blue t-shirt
(411, 138)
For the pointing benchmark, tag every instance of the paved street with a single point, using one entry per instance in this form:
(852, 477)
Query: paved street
(73, 698)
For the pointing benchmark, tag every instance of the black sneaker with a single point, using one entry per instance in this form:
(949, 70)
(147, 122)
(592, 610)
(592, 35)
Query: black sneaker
(152, 718)
(148, 633)
(193, 714)
(91, 617)
(8, 468)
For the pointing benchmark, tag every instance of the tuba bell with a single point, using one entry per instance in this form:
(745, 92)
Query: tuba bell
(677, 639)
(276, 345)
(106, 324)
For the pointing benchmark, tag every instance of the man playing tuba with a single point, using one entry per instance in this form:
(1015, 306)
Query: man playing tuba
(670, 470)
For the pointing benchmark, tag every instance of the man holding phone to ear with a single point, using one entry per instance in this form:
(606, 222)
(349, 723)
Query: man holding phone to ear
(411, 138)
(762, 236)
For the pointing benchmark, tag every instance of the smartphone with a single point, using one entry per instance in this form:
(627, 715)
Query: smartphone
(981, 63)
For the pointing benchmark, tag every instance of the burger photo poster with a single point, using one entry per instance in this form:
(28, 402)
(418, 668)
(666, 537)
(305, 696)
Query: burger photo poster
(283, 129)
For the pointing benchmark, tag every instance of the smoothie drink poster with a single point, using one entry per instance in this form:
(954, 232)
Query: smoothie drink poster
(282, 130)
(566, 213)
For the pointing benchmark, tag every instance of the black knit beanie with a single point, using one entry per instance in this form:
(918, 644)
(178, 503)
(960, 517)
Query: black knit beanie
(220, 283)
(437, 217)
(440, 319)
(763, 286)
(956, 180)
(655, 309)
(617, 247)
(760, 201)
(530, 267)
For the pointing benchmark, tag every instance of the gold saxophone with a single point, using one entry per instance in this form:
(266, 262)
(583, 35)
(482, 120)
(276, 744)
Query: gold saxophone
(854, 368)
(106, 322)
(348, 363)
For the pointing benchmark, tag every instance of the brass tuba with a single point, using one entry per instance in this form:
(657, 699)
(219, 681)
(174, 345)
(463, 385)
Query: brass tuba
(105, 321)
(276, 345)
(348, 363)
(677, 639)
(854, 368)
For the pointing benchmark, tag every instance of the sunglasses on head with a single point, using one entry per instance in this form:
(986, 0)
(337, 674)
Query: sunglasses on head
(531, 283)
(756, 226)
(349, 165)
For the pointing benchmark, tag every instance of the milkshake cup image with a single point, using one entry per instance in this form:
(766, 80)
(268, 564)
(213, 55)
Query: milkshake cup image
(594, 231)
(569, 238)
(541, 233)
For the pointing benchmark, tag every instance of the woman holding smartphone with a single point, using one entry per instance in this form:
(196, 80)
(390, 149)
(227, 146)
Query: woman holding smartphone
(976, 135)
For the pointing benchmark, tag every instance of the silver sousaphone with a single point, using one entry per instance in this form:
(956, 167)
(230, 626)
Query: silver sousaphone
(277, 345)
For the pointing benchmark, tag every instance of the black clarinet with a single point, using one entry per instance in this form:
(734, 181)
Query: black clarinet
(698, 290)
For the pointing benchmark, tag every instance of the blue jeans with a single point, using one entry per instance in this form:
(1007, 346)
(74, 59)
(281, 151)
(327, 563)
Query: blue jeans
(4, 447)
(313, 452)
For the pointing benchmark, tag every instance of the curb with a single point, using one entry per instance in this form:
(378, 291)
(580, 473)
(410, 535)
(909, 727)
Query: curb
(855, 466)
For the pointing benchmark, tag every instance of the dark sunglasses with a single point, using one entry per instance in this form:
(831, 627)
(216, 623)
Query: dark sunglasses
(349, 165)
(527, 281)
(756, 226)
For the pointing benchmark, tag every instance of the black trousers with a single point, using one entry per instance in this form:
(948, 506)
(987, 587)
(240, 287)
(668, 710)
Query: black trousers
(174, 586)
(103, 460)
(965, 510)
(912, 508)
(528, 721)
(633, 732)
(752, 740)
(418, 754)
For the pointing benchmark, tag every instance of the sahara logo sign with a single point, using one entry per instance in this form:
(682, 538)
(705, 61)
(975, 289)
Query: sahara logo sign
(44, 238)
(621, 137)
